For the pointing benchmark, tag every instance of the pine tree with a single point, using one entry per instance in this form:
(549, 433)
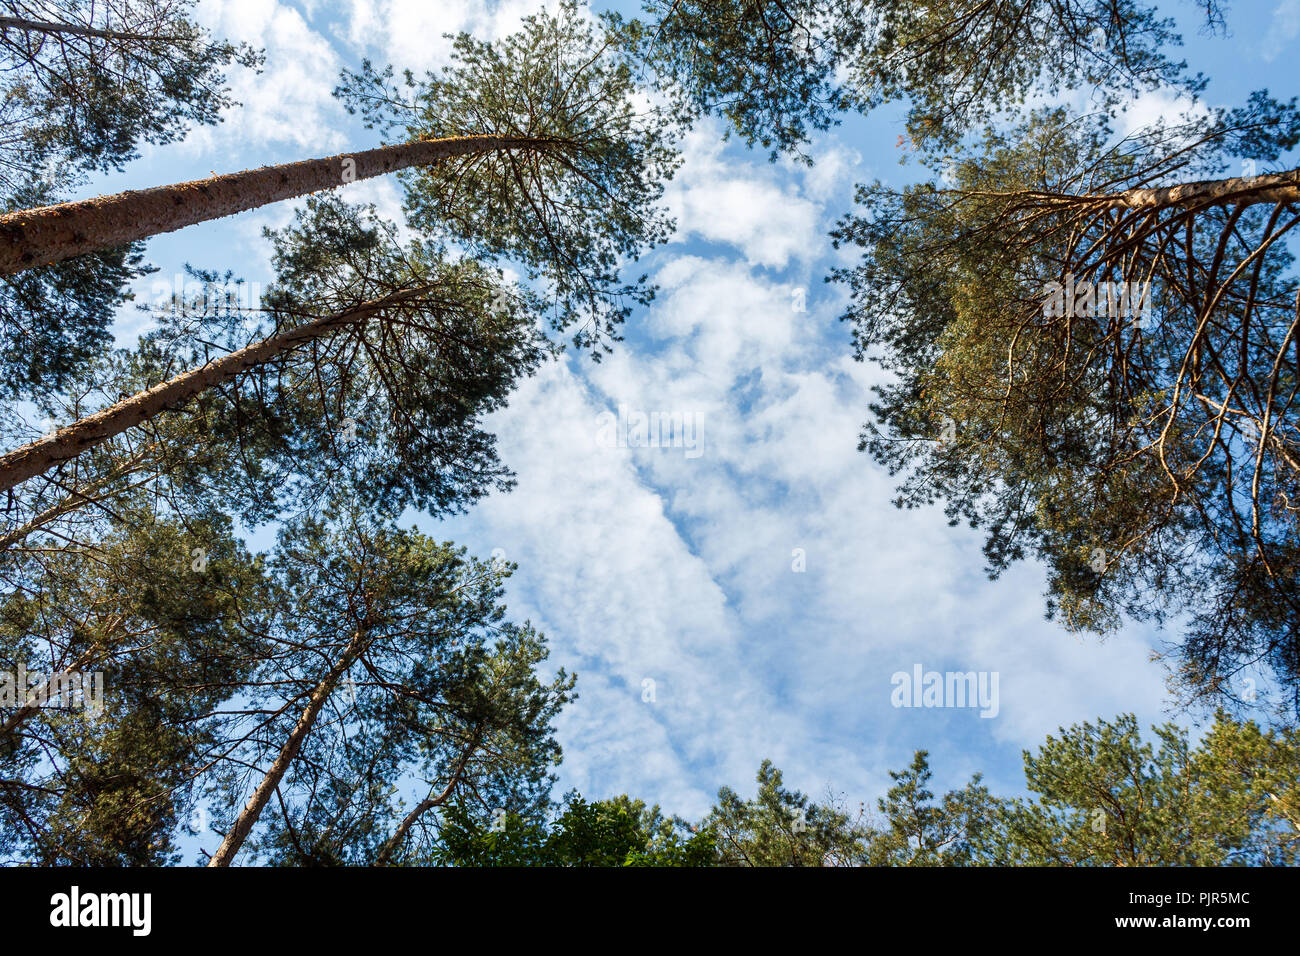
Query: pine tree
(615, 832)
(158, 619)
(1105, 797)
(781, 827)
(78, 97)
(779, 69)
(86, 83)
(388, 391)
(390, 656)
(569, 219)
(1100, 372)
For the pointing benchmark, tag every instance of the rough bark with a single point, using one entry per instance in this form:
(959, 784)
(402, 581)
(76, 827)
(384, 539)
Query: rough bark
(1239, 190)
(76, 29)
(37, 457)
(48, 234)
(1281, 187)
(253, 809)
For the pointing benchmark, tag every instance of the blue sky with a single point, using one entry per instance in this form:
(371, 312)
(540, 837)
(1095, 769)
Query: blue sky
(649, 564)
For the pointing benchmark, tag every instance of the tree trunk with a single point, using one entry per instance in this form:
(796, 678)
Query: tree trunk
(37, 237)
(75, 499)
(36, 457)
(253, 809)
(1239, 190)
(28, 709)
(385, 854)
(76, 29)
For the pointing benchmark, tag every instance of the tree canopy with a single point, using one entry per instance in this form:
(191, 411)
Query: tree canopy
(79, 94)
(1137, 436)
(1090, 340)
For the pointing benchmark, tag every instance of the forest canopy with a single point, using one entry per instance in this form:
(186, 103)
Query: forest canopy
(225, 623)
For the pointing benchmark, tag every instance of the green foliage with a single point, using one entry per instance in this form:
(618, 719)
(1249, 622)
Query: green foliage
(781, 827)
(71, 105)
(55, 319)
(438, 687)
(71, 102)
(617, 832)
(207, 659)
(105, 788)
(960, 65)
(920, 832)
(386, 411)
(770, 68)
(1098, 442)
(1101, 797)
(777, 69)
(569, 207)
(1104, 797)
(412, 384)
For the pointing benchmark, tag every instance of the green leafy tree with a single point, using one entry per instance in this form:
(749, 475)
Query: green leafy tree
(1105, 797)
(919, 831)
(778, 69)
(781, 827)
(385, 401)
(570, 211)
(1100, 796)
(616, 832)
(83, 85)
(389, 657)
(531, 148)
(86, 83)
(54, 320)
(159, 618)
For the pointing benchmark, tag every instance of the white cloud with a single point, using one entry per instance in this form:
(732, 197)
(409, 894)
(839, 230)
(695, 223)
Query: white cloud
(290, 102)
(645, 563)
(410, 34)
(740, 205)
(1154, 106)
(832, 175)
(626, 601)
(1283, 30)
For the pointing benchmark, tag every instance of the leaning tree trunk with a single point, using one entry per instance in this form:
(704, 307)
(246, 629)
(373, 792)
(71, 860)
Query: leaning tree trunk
(391, 845)
(1240, 190)
(253, 809)
(37, 237)
(76, 498)
(1283, 187)
(36, 457)
(77, 29)
(30, 707)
